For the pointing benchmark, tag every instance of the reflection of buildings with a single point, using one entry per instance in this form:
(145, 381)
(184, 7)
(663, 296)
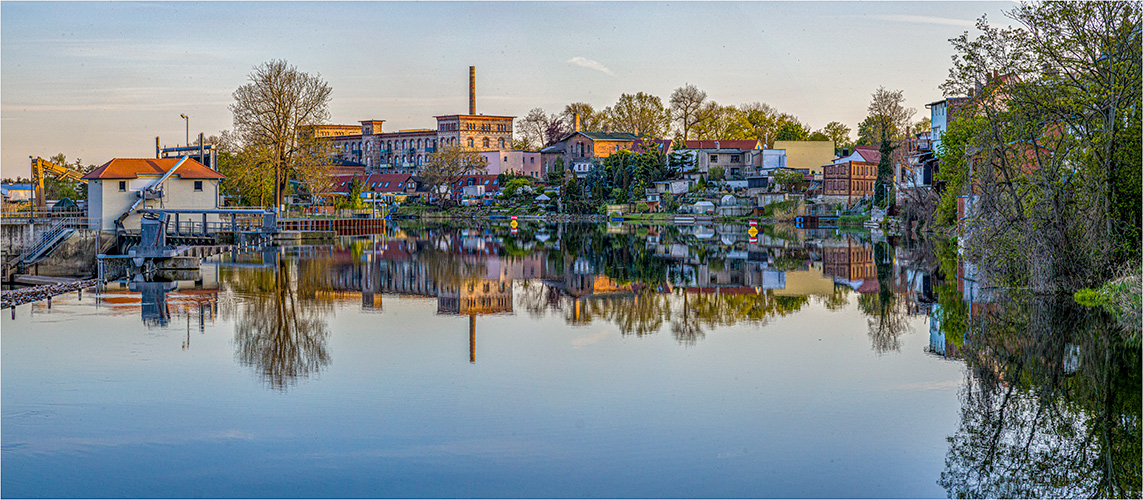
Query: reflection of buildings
(851, 262)
(475, 297)
(159, 302)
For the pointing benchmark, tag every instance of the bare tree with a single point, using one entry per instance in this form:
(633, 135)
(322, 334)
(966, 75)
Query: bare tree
(532, 129)
(891, 123)
(685, 104)
(269, 113)
(448, 165)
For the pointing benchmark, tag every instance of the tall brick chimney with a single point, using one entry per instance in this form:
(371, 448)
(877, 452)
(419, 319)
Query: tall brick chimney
(472, 90)
(576, 122)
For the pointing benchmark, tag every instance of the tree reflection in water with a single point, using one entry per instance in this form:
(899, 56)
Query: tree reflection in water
(280, 328)
(1051, 406)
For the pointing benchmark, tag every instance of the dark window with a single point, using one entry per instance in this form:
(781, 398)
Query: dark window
(122, 185)
(198, 185)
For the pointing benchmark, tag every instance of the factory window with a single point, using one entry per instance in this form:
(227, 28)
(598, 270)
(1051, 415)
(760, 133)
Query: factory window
(122, 185)
(198, 185)
(502, 143)
(470, 142)
(486, 142)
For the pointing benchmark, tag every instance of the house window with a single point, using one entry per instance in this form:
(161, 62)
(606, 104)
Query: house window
(735, 159)
(501, 143)
(532, 159)
(714, 158)
(198, 185)
(122, 185)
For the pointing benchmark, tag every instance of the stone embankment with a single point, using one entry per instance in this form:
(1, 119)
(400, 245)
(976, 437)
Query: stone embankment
(13, 298)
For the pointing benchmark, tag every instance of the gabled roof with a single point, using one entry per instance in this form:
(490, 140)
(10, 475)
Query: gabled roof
(130, 168)
(739, 144)
(602, 136)
(871, 154)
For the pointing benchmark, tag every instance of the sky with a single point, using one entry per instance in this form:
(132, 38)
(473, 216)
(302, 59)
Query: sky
(97, 81)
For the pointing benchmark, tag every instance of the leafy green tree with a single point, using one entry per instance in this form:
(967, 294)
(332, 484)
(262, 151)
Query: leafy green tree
(640, 114)
(839, 134)
(792, 130)
(716, 173)
(890, 124)
(790, 180)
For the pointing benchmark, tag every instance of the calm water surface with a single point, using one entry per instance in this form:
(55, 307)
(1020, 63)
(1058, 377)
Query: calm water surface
(567, 361)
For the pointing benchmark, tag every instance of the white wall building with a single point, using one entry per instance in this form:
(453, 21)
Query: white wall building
(116, 185)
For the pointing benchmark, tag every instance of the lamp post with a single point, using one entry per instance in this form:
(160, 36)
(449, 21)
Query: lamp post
(188, 128)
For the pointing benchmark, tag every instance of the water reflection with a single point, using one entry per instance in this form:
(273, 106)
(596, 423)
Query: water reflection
(280, 326)
(1049, 408)
(1051, 404)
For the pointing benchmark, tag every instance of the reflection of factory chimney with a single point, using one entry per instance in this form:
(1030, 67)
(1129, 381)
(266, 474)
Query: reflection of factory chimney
(472, 90)
(472, 338)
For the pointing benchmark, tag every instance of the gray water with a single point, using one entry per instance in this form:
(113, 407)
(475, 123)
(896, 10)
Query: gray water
(598, 362)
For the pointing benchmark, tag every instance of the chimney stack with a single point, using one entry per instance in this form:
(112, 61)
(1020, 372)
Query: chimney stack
(472, 90)
(576, 122)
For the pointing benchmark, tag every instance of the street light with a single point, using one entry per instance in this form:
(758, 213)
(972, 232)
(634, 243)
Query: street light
(188, 128)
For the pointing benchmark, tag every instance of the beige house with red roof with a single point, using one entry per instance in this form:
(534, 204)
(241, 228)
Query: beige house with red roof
(117, 185)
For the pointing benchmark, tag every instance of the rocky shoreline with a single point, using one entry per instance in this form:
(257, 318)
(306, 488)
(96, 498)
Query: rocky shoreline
(13, 298)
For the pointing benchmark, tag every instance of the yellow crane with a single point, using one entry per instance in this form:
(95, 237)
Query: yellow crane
(40, 167)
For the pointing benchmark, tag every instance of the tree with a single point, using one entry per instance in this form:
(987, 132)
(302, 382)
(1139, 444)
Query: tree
(590, 120)
(716, 173)
(890, 124)
(686, 101)
(640, 114)
(1054, 146)
(448, 165)
(531, 129)
(790, 179)
(539, 130)
(716, 122)
(839, 134)
(790, 129)
(269, 113)
(760, 122)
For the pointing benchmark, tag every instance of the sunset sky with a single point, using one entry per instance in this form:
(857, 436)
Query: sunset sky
(100, 80)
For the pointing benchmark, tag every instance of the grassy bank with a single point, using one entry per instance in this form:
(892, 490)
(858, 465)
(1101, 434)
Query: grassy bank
(1122, 298)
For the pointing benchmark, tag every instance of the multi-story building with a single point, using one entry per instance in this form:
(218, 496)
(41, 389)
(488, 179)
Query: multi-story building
(518, 162)
(405, 151)
(852, 177)
(738, 158)
(581, 150)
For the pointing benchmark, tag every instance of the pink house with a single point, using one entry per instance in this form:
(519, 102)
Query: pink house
(521, 162)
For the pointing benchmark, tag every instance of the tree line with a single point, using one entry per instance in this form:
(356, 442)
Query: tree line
(688, 114)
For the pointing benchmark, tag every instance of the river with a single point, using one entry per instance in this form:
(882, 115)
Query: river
(569, 360)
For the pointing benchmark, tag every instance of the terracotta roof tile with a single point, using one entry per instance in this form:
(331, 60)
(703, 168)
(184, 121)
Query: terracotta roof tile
(130, 168)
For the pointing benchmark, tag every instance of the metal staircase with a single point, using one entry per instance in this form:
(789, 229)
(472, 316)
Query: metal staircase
(59, 230)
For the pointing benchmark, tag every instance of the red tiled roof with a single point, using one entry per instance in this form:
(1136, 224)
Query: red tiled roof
(871, 153)
(380, 183)
(739, 144)
(130, 168)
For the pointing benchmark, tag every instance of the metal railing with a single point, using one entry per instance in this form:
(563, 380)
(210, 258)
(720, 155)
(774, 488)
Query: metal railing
(50, 237)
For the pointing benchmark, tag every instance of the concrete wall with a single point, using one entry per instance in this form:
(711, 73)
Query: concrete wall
(74, 256)
(16, 237)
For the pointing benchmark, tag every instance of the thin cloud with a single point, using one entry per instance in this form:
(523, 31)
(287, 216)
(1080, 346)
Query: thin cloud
(589, 64)
(944, 21)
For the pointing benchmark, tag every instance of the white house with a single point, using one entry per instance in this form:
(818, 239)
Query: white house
(116, 186)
